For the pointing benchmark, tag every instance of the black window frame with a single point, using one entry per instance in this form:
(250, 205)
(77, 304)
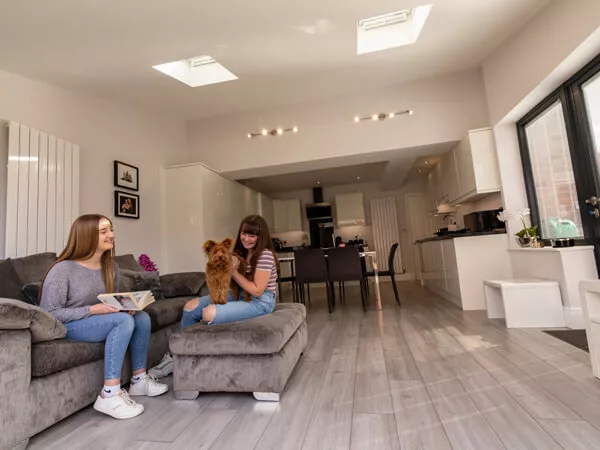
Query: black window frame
(579, 136)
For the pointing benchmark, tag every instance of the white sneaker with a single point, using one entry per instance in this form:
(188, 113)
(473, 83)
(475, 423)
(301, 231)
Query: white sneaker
(148, 386)
(163, 368)
(121, 406)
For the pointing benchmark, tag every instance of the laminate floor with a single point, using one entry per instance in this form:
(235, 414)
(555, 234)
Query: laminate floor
(424, 376)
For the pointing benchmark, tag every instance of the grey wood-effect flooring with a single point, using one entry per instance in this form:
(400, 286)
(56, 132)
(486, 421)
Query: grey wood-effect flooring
(424, 376)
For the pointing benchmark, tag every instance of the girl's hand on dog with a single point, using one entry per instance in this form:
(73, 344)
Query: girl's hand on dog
(235, 263)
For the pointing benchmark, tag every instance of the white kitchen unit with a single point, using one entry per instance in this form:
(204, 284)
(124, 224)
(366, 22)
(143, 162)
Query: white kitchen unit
(199, 204)
(350, 209)
(456, 268)
(287, 215)
(476, 165)
(265, 208)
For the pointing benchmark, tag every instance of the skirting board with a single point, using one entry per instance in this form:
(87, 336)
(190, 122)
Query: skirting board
(574, 317)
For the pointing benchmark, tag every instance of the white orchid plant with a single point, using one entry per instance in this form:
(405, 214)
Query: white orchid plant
(505, 216)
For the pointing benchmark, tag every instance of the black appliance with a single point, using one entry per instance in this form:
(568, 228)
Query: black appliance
(320, 221)
(484, 221)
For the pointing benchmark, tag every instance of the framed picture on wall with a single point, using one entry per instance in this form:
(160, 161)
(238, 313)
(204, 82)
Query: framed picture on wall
(126, 176)
(127, 205)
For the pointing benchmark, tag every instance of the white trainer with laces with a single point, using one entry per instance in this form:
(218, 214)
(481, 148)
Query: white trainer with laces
(148, 386)
(163, 368)
(120, 406)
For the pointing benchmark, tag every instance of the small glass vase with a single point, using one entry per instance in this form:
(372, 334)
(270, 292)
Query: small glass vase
(524, 241)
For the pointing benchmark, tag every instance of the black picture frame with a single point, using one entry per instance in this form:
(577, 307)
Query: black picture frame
(126, 176)
(127, 205)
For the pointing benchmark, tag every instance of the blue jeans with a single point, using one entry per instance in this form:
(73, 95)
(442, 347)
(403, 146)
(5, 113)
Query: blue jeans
(118, 331)
(233, 311)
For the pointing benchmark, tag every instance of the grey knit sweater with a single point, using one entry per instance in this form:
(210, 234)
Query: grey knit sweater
(70, 289)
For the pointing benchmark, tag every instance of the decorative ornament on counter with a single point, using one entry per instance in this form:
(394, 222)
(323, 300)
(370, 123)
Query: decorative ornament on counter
(527, 236)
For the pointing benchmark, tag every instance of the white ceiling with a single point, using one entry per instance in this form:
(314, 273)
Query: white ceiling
(362, 173)
(391, 169)
(282, 52)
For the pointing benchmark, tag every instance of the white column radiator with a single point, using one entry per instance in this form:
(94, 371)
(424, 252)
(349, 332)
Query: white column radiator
(384, 220)
(42, 196)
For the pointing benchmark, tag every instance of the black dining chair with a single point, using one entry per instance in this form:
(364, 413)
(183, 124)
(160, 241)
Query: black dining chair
(390, 272)
(343, 264)
(290, 279)
(311, 267)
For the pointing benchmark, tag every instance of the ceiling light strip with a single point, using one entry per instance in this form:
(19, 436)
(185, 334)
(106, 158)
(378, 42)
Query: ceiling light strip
(384, 116)
(274, 132)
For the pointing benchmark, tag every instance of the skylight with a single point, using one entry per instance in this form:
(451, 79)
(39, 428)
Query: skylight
(391, 30)
(197, 71)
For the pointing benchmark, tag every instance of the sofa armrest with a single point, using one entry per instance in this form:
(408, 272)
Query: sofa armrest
(182, 284)
(18, 315)
(15, 361)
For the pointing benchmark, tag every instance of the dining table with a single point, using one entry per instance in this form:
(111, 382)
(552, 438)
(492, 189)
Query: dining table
(372, 255)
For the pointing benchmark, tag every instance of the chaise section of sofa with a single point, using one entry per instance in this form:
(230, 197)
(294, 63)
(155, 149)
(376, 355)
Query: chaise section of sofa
(45, 378)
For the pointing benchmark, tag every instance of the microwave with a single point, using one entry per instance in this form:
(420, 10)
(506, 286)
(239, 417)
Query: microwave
(483, 221)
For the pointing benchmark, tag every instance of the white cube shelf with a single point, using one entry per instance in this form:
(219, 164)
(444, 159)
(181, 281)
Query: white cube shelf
(525, 303)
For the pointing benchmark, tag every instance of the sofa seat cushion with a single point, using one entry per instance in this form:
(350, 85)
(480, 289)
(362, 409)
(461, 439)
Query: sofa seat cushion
(262, 335)
(164, 313)
(53, 356)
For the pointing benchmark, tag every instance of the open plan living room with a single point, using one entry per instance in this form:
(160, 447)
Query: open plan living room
(180, 180)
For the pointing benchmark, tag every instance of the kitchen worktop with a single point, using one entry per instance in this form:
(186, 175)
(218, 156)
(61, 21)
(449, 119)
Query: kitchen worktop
(458, 235)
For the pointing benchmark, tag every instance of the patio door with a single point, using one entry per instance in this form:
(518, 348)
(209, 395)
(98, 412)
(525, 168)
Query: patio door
(560, 148)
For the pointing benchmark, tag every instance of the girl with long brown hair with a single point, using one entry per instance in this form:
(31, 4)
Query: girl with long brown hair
(253, 243)
(70, 289)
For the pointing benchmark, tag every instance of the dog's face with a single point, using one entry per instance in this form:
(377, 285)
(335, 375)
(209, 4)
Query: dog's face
(218, 252)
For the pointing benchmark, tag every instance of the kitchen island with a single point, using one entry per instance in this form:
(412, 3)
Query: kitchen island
(455, 265)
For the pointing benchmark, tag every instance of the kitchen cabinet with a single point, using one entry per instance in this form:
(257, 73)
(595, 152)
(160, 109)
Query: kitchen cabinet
(449, 177)
(287, 215)
(350, 209)
(476, 166)
(456, 268)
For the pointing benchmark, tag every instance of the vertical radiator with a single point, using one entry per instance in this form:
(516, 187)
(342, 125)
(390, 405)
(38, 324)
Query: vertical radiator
(42, 195)
(384, 221)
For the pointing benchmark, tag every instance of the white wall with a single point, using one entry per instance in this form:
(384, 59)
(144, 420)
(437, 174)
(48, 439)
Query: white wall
(370, 191)
(528, 58)
(3, 185)
(560, 41)
(445, 108)
(105, 131)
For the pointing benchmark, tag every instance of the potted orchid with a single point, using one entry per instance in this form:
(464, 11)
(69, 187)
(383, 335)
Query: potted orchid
(527, 235)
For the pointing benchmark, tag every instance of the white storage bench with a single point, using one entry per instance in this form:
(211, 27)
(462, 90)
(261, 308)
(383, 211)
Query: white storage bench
(525, 302)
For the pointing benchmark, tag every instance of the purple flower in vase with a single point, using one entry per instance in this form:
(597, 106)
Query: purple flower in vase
(147, 263)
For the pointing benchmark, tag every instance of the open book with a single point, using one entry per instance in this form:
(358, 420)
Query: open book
(128, 301)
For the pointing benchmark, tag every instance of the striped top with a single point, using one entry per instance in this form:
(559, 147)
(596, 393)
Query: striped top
(266, 261)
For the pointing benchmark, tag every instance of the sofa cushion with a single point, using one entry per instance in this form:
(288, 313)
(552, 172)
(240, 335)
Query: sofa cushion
(128, 262)
(10, 286)
(166, 312)
(180, 284)
(259, 336)
(132, 281)
(33, 268)
(16, 315)
(32, 292)
(53, 356)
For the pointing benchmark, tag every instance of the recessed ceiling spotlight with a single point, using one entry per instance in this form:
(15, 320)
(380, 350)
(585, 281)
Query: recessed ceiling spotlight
(426, 162)
(358, 178)
(420, 171)
(274, 132)
(383, 116)
(318, 182)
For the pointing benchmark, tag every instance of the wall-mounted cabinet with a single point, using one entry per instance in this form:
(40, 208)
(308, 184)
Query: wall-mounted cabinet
(350, 209)
(467, 172)
(287, 215)
(476, 165)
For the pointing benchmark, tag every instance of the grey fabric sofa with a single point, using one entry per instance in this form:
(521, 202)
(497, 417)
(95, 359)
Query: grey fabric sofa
(256, 355)
(45, 378)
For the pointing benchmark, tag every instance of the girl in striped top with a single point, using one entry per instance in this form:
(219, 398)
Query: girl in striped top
(254, 244)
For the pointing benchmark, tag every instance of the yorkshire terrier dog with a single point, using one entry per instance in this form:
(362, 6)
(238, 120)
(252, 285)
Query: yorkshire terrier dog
(218, 271)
